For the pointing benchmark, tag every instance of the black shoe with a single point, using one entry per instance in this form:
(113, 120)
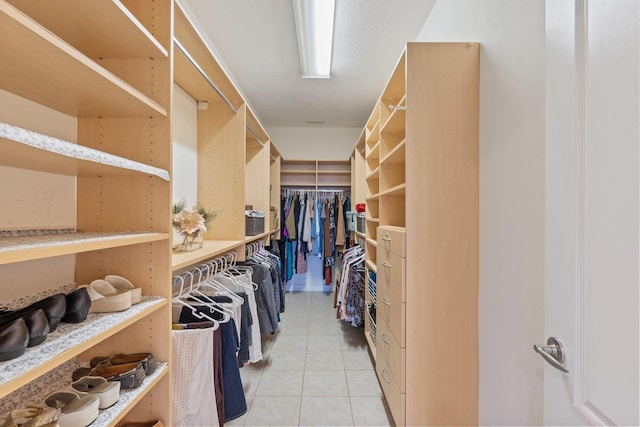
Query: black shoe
(14, 337)
(78, 304)
(35, 320)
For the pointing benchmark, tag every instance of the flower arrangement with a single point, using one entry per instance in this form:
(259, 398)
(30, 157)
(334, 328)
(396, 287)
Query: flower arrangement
(191, 224)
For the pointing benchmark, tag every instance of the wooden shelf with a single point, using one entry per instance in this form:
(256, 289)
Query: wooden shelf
(359, 234)
(395, 123)
(372, 197)
(17, 249)
(79, 87)
(372, 242)
(371, 265)
(129, 398)
(374, 152)
(374, 134)
(398, 190)
(99, 29)
(396, 155)
(297, 172)
(22, 148)
(334, 172)
(250, 239)
(70, 340)
(374, 175)
(372, 219)
(210, 249)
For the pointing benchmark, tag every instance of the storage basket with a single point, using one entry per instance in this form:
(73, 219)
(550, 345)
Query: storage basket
(253, 226)
(360, 223)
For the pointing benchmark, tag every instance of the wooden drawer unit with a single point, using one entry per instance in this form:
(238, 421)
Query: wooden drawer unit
(395, 398)
(392, 311)
(393, 239)
(392, 272)
(388, 346)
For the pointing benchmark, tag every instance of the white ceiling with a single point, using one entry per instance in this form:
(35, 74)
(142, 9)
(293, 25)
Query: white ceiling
(256, 41)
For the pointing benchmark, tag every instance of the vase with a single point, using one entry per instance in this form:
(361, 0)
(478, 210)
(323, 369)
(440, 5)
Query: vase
(190, 242)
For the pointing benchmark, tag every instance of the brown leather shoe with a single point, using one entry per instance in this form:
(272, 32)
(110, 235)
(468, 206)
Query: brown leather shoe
(146, 359)
(130, 375)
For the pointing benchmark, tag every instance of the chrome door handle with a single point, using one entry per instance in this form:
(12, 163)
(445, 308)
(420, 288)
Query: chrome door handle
(553, 353)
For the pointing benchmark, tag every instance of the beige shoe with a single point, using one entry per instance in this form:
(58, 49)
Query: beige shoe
(123, 284)
(105, 298)
(33, 416)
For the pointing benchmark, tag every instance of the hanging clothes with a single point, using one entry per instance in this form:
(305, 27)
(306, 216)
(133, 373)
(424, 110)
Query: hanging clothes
(265, 297)
(340, 225)
(193, 377)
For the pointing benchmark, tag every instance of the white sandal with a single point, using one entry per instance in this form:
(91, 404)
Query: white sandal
(107, 391)
(75, 411)
(123, 284)
(105, 298)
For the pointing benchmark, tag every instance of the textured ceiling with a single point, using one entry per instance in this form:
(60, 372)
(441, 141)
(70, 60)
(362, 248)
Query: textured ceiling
(256, 40)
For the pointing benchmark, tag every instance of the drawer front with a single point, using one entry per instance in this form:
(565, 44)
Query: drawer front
(388, 346)
(391, 270)
(392, 311)
(393, 239)
(395, 398)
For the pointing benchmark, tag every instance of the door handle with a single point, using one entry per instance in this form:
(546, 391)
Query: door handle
(553, 353)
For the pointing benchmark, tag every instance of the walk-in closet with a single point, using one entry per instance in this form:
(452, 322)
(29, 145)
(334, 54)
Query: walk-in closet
(165, 264)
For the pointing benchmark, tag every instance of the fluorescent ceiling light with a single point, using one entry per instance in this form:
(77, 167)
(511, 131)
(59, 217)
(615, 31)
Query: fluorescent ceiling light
(314, 27)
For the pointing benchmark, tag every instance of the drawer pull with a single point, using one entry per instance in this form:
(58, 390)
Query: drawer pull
(386, 238)
(385, 302)
(384, 264)
(384, 340)
(383, 377)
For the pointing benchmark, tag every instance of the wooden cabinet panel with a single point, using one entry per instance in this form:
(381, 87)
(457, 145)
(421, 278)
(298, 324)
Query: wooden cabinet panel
(393, 239)
(395, 398)
(392, 311)
(392, 272)
(388, 346)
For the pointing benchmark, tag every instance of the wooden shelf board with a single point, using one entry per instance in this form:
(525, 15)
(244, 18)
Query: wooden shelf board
(70, 340)
(79, 87)
(22, 148)
(372, 242)
(90, 26)
(359, 234)
(374, 175)
(374, 152)
(396, 155)
(129, 398)
(395, 123)
(374, 134)
(17, 249)
(334, 172)
(398, 190)
(210, 249)
(297, 172)
(372, 219)
(250, 239)
(373, 196)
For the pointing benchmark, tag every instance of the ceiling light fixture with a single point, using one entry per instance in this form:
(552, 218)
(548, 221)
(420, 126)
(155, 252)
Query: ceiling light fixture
(314, 28)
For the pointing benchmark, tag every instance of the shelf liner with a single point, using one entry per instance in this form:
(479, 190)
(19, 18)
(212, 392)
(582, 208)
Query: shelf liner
(58, 379)
(76, 151)
(69, 335)
(37, 241)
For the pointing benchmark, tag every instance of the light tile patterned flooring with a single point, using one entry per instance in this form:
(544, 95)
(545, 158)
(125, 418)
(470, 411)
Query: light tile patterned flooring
(316, 372)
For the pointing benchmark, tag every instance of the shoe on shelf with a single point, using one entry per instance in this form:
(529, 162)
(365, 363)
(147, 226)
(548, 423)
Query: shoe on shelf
(108, 392)
(35, 319)
(75, 410)
(78, 304)
(105, 298)
(54, 307)
(14, 338)
(33, 416)
(129, 375)
(146, 359)
(123, 284)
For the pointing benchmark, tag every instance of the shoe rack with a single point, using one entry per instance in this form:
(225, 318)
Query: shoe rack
(85, 141)
(421, 181)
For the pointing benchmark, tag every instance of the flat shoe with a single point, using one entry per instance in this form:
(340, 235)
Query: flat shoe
(129, 375)
(123, 284)
(53, 306)
(154, 423)
(78, 305)
(108, 392)
(75, 411)
(146, 359)
(105, 298)
(14, 338)
(35, 319)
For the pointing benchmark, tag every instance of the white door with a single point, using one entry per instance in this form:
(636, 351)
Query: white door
(592, 192)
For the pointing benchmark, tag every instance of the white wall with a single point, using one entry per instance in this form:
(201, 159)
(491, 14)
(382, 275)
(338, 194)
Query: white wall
(185, 147)
(314, 143)
(512, 36)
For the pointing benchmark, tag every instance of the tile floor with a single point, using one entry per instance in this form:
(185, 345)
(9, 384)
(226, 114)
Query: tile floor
(316, 372)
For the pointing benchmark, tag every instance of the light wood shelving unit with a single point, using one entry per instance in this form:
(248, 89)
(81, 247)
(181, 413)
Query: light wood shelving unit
(421, 145)
(112, 78)
(316, 174)
(237, 162)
